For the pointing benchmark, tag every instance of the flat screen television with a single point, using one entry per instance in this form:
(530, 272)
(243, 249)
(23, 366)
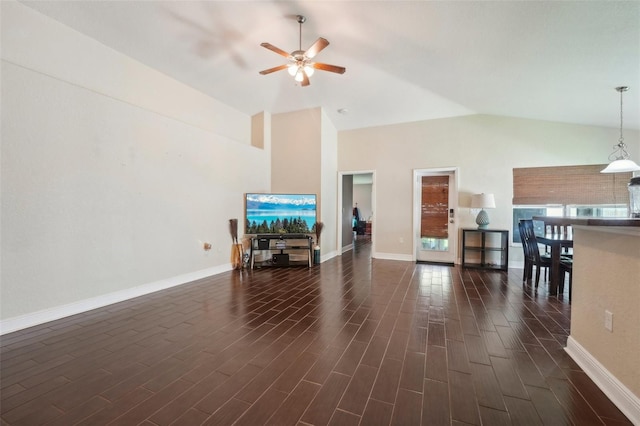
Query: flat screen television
(279, 213)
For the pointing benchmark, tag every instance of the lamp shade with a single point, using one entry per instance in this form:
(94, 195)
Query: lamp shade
(621, 166)
(483, 201)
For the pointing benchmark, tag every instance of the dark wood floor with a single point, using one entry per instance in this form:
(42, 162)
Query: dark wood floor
(352, 341)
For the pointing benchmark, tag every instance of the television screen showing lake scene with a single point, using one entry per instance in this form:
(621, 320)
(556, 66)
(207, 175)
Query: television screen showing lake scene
(280, 213)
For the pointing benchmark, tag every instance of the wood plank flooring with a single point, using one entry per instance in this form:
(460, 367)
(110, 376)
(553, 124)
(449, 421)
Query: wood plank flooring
(354, 341)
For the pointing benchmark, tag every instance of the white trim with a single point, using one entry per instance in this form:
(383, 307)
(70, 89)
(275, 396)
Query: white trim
(347, 248)
(40, 317)
(392, 256)
(328, 256)
(516, 264)
(618, 393)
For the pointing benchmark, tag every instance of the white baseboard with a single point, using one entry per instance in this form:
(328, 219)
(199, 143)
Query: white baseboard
(40, 317)
(517, 264)
(392, 256)
(325, 257)
(347, 248)
(618, 393)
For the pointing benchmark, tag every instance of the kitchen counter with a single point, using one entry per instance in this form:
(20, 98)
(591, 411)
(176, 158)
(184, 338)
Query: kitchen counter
(606, 282)
(589, 221)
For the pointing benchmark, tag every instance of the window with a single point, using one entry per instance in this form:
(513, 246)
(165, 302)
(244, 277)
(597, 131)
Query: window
(434, 222)
(598, 210)
(580, 191)
(527, 212)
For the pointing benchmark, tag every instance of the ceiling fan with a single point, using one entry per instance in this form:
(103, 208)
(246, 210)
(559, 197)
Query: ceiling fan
(300, 65)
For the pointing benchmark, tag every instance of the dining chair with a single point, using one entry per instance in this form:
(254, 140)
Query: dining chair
(525, 250)
(566, 267)
(567, 251)
(560, 229)
(533, 257)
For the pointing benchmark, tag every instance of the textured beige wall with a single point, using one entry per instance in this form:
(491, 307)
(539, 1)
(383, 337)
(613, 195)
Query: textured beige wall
(304, 160)
(362, 196)
(296, 152)
(113, 174)
(606, 276)
(485, 149)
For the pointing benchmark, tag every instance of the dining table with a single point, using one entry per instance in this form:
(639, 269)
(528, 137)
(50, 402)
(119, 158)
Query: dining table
(557, 241)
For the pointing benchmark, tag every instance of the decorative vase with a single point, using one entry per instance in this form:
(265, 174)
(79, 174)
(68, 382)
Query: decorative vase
(482, 220)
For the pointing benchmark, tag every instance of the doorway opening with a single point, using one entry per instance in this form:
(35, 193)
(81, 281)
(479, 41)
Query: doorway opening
(356, 207)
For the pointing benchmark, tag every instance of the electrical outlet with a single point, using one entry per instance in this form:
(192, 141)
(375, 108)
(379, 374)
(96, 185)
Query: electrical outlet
(608, 320)
(401, 240)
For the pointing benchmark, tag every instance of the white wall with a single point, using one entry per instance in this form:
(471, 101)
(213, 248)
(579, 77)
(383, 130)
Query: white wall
(485, 148)
(346, 213)
(329, 181)
(113, 175)
(362, 196)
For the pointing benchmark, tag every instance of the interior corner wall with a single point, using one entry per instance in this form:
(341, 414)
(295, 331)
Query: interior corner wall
(607, 270)
(296, 162)
(484, 148)
(329, 199)
(261, 131)
(112, 174)
(304, 160)
(347, 211)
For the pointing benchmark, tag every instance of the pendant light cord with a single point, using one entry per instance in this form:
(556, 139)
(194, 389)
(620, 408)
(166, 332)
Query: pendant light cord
(621, 140)
(620, 149)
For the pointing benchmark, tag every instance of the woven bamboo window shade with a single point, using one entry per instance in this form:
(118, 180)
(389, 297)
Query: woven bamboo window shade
(582, 185)
(435, 204)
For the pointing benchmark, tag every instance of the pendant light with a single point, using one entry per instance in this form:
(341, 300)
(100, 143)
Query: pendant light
(619, 158)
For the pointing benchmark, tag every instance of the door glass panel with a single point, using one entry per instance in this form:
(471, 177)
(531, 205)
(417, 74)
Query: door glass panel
(436, 244)
(434, 226)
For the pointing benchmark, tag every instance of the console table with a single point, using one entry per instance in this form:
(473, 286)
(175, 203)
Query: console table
(485, 248)
(281, 250)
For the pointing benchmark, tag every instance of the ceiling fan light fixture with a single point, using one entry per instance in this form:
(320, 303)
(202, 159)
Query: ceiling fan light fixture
(300, 66)
(308, 69)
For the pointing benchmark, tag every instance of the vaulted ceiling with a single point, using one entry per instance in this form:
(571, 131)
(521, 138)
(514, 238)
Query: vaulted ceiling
(405, 60)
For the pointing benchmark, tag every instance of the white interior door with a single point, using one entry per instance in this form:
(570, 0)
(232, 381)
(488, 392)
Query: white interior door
(435, 215)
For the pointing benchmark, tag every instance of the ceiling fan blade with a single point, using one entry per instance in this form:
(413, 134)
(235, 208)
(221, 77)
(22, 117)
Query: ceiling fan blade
(274, 69)
(316, 47)
(305, 79)
(327, 67)
(276, 49)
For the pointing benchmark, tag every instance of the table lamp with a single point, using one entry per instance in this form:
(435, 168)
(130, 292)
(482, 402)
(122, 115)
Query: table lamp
(483, 201)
